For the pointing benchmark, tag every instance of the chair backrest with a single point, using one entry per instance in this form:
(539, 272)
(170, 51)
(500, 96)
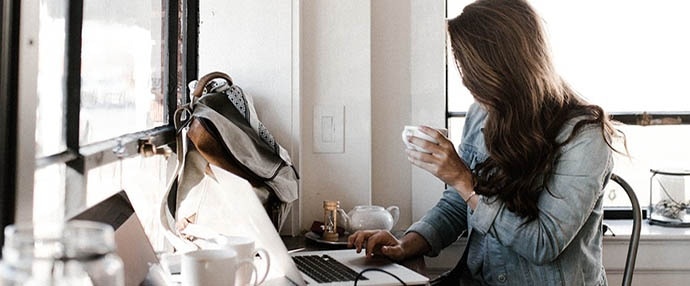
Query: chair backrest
(635, 235)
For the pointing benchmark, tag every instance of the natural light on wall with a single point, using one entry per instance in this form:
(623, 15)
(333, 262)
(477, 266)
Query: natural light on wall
(626, 56)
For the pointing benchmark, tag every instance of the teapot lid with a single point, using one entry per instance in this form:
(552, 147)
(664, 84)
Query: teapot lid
(368, 207)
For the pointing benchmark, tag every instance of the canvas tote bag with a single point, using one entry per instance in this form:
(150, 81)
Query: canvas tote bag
(220, 126)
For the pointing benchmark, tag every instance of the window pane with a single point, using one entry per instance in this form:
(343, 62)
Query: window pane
(455, 127)
(121, 68)
(50, 122)
(144, 179)
(623, 64)
(49, 193)
(650, 147)
(609, 55)
(459, 98)
(623, 55)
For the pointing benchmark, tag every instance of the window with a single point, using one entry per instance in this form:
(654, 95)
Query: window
(110, 75)
(9, 34)
(636, 70)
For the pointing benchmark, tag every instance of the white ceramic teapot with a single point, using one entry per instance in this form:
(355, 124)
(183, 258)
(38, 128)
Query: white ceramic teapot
(364, 217)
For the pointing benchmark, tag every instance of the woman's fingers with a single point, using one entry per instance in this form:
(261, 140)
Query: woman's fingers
(373, 241)
(440, 147)
(443, 162)
(433, 132)
(358, 239)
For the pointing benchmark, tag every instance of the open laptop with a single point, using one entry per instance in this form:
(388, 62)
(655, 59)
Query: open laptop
(248, 218)
(133, 246)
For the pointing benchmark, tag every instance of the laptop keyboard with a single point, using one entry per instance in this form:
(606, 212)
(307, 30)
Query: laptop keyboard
(325, 269)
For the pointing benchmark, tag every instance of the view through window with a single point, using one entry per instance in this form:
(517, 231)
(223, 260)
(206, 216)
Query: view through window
(123, 48)
(625, 64)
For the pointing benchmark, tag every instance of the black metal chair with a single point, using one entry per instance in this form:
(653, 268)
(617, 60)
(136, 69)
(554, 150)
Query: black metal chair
(635, 235)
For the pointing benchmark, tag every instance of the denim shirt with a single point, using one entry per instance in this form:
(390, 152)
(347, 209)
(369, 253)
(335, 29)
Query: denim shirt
(563, 246)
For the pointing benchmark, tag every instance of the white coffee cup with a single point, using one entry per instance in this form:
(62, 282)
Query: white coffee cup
(247, 251)
(411, 130)
(210, 267)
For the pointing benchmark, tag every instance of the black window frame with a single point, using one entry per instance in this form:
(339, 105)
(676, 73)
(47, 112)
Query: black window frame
(9, 70)
(180, 63)
(641, 118)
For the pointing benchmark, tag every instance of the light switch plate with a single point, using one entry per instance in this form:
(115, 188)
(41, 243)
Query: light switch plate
(329, 127)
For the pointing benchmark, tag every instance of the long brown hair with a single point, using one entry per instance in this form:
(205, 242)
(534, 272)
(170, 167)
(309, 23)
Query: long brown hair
(503, 57)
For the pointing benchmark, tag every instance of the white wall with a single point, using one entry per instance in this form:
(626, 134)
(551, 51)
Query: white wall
(336, 71)
(391, 104)
(428, 89)
(381, 61)
(253, 42)
(408, 64)
(384, 61)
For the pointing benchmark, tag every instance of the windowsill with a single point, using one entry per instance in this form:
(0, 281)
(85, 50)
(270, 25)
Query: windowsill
(623, 227)
(661, 256)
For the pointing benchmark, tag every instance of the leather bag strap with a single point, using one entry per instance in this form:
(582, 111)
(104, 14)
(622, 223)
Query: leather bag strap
(201, 84)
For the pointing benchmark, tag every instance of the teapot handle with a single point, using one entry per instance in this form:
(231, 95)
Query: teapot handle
(395, 212)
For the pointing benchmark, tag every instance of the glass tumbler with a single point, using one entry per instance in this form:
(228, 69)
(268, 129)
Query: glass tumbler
(669, 197)
(73, 253)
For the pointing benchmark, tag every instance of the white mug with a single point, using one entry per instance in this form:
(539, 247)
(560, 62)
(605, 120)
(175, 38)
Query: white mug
(211, 267)
(247, 251)
(411, 130)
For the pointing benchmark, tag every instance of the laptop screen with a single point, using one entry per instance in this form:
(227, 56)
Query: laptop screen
(133, 246)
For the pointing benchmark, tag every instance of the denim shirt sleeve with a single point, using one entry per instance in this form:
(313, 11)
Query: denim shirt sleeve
(579, 177)
(443, 224)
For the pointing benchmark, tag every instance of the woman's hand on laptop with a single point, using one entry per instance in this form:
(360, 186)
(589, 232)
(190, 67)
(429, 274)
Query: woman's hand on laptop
(382, 242)
(377, 242)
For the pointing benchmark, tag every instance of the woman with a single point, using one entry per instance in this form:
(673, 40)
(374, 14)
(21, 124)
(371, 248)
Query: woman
(527, 182)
